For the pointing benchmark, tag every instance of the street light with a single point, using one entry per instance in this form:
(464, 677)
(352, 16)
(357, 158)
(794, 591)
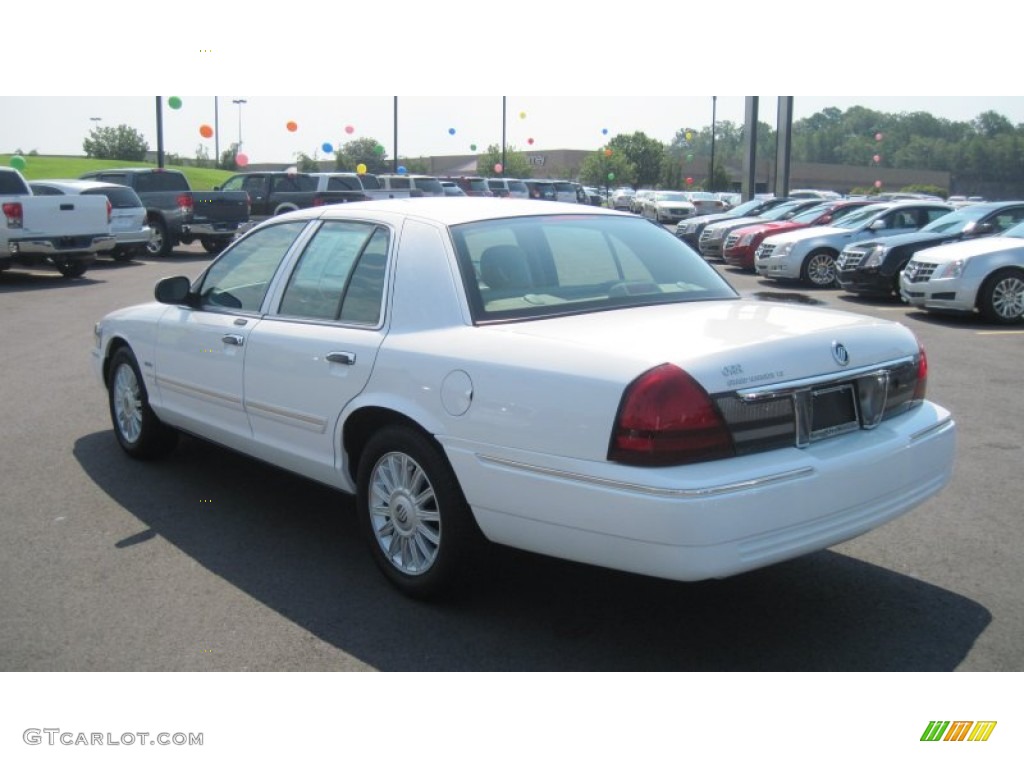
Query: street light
(95, 119)
(239, 102)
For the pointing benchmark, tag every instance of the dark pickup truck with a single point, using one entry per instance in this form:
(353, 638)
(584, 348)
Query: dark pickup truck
(177, 213)
(275, 192)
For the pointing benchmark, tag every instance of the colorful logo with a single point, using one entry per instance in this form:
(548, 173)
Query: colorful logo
(959, 730)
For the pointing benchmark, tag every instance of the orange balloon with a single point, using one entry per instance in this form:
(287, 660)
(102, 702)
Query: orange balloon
(292, 126)
(205, 131)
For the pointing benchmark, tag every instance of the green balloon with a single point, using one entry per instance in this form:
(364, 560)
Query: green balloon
(379, 149)
(472, 147)
(18, 162)
(174, 102)
(611, 177)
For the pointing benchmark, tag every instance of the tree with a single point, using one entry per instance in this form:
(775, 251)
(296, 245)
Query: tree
(366, 151)
(415, 164)
(120, 143)
(643, 153)
(516, 164)
(306, 164)
(203, 157)
(229, 158)
(597, 167)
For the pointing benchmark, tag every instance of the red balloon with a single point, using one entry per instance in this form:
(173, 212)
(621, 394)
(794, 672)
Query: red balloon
(877, 158)
(529, 141)
(241, 160)
(205, 131)
(292, 126)
(349, 129)
(878, 185)
(497, 167)
(607, 153)
(878, 137)
(689, 179)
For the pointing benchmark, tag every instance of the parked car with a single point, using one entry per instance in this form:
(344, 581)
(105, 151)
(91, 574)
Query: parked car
(873, 267)
(472, 186)
(179, 214)
(742, 243)
(508, 188)
(809, 255)
(594, 196)
(428, 185)
(514, 371)
(984, 275)
(706, 203)
(127, 213)
(569, 192)
(451, 189)
(712, 239)
(541, 189)
(689, 230)
(667, 207)
(637, 205)
(622, 199)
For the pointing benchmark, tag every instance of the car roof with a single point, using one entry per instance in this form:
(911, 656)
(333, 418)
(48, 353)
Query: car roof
(441, 210)
(78, 184)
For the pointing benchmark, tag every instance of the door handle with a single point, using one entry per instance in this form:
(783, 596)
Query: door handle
(346, 358)
(233, 339)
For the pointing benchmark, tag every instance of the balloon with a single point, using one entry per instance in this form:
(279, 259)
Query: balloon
(241, 160)
(174, 102)
(472, 147)
(327, 147)
(522, 115)
(689, 135)
(361, 168)
(689, 158)
(205, 131)
(877, 158)
(402, 169)
(291, 171)
(498, 167)
(350, 129)
(604, 131)
(608, 153)
(292, 126)
(878, 185)
(878, 137)
(611, 177)
(689, 179)
(18, 162)
(529, 141)
(451, 131)
(379, 149)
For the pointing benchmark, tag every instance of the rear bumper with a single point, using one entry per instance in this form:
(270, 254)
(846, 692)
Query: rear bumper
(63, 246)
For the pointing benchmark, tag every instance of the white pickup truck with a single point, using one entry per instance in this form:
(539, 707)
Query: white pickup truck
(66, 232)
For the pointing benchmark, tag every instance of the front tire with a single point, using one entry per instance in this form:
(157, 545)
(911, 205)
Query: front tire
(141, 434)
(819, 269)
(1002, 297)
(417, 523)
(71, 269)
(214, 244)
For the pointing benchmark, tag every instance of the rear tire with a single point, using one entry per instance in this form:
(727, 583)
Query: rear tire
(72, 269)
(138, 430)
(1001, 298)
(160, 243)
(122, 254)
(419, 528)
(215, 244)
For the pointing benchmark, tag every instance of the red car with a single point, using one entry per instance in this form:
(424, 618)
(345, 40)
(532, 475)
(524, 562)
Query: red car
(741, 243)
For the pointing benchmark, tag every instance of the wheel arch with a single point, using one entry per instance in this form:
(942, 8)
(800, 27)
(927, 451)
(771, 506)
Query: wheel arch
(360, 425)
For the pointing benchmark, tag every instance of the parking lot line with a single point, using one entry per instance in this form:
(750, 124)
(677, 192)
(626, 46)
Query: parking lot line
(999, 333)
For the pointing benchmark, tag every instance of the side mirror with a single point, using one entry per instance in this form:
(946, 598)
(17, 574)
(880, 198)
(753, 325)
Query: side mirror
(876, 225)
(826, 219)
(174, 290)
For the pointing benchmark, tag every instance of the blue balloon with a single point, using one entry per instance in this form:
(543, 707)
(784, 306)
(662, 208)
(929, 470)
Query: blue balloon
(327, 147)
(604, 131)
(401, 169)
(451, 131)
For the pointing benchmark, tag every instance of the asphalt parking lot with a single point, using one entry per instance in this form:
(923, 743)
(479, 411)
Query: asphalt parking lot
(210, 561)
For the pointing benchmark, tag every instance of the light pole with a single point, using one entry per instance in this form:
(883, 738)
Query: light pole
(711, 172)
(239, 102)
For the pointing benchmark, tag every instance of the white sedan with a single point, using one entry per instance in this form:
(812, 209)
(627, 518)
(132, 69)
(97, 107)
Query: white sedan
(983, 275)
(562, 379)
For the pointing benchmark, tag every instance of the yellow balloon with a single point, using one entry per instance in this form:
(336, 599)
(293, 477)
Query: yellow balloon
(522, 115)
(361, 168)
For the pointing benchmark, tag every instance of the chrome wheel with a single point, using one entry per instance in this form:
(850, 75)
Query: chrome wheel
(404, 513)
(1008, 298)
(820, 269)
(126, 398)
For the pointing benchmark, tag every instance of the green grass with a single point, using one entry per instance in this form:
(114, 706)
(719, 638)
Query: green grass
(57, 167)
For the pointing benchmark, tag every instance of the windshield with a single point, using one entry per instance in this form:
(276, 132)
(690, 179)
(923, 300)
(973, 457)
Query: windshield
(859, 216)
(744, 208)
(958, 221)
(672, 197)
(702, 196)
(808, 216)
(1016, 230)
(784, 210)
(540, 266)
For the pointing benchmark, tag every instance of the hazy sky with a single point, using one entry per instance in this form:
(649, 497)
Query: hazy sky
(590, 68)
(58, 124)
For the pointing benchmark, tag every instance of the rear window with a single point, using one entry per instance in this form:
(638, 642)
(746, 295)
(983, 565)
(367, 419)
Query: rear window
(335, 183)
(518, 186)
(11, 184)
(538, 266)
(478, 185)
(429, 186)
(163, 181)
(119, 197)
(369, 181)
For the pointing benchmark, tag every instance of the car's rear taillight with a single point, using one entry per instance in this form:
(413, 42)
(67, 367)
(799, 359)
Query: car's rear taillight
(14, 215)
(665, 418)
(185, 202)
(922, 376)
(110, 211)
